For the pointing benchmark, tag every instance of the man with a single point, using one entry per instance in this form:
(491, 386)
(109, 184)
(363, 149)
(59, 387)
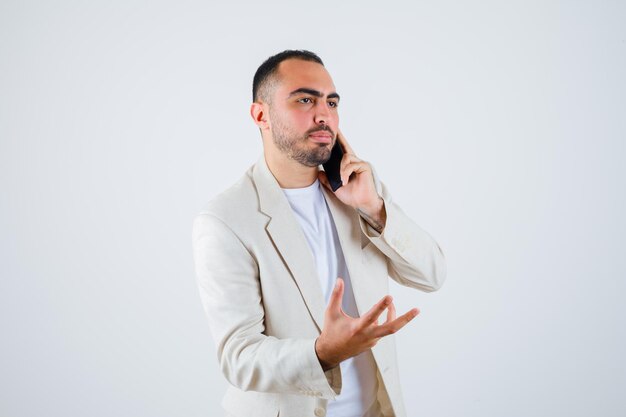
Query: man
(294, 276)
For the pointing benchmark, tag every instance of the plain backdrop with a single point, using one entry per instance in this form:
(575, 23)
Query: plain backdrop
(498, 126)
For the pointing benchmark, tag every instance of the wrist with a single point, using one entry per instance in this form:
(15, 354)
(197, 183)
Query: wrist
(322, 357)
(374, 214)
(374, 208)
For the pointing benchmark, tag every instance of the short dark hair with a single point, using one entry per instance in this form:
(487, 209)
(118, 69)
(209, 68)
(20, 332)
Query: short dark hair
(269, 67)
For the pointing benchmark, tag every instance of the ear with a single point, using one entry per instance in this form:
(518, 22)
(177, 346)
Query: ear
(257, 111)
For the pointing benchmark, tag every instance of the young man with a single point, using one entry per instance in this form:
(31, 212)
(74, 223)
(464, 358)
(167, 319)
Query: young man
(294, 276)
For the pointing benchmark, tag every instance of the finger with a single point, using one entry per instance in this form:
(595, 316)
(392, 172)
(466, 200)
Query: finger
(372, 315)
(391, 313)
(395, 325)
(344, 143)
(354, 167)
(347, 159)
(334, 304)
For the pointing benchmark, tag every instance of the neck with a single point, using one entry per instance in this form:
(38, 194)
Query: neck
(289, 173)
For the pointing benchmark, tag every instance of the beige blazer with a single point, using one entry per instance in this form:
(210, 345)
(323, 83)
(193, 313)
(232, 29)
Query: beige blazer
(264, 302)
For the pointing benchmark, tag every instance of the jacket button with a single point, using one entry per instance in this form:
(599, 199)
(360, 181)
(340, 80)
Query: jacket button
(320, 412)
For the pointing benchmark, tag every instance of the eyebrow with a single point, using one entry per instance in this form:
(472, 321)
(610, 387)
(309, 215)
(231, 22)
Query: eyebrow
(313, 93)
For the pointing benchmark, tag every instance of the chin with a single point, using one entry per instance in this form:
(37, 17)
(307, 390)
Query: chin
(324, 156)
(315, 159)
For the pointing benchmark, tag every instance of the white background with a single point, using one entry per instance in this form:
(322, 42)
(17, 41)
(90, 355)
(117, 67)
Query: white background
(498, 126)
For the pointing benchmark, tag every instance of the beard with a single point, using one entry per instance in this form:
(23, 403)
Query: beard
(298, 147)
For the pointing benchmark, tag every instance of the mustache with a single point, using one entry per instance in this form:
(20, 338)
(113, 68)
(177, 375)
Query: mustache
(324, 128)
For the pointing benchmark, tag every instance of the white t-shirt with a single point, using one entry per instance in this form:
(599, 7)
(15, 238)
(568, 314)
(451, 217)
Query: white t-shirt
(358, 374)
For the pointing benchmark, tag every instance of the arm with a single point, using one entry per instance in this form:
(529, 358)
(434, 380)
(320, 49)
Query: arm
(414, 259)
(228, 280)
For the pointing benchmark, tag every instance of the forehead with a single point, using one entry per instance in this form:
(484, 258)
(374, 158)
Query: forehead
(296, 73)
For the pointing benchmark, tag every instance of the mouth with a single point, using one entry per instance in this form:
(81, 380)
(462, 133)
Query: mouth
(324, 139)
(321, 136)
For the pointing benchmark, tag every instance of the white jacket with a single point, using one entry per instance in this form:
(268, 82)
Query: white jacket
(260, 291)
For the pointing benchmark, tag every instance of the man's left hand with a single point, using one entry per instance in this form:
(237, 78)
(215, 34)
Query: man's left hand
(358, 190)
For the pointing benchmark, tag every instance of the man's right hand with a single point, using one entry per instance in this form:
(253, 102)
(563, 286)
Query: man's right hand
(344, 337)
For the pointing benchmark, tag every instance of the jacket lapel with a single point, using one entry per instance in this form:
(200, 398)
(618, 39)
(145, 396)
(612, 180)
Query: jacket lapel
(289, 240)
(346, 221)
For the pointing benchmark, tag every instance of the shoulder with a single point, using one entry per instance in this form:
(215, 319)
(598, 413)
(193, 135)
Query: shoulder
(234, 205)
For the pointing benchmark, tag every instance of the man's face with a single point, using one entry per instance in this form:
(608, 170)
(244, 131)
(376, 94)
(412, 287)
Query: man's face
(303, 112)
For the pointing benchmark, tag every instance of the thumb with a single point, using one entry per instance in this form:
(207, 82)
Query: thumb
(336, 297)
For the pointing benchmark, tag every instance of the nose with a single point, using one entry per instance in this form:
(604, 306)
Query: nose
(322, 114)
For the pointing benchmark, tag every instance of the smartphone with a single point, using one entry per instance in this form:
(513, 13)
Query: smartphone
(331, 167)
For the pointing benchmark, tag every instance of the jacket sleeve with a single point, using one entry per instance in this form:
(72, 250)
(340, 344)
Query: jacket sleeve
(228, 280)
(414, 259)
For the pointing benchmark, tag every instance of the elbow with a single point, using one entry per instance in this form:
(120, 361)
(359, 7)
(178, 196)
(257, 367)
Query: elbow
(439, 272)
(239, 378)
(427, 278)
(436, 283)
(238, 366)
(433, 279)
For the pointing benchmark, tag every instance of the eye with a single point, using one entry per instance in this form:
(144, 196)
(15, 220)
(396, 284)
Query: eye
(305, 100)
(333, 104)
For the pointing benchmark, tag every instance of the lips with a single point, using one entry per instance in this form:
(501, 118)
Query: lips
(321, 137)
